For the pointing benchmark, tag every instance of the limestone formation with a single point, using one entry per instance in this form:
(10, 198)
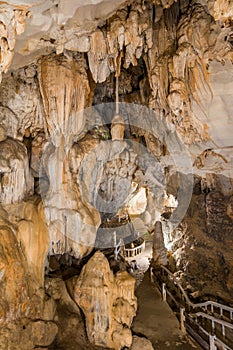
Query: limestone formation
(32, 236)
(203, 241)
(107, 185)
(16, 182)
(20, 115)
(43, 333)
(117, 128)
(13, 21)
(65, 92)
(159, 250)
(108, 303)
(141, 343)
(13, 274)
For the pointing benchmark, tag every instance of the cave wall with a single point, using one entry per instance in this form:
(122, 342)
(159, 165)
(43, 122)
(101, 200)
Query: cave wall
(202, 244)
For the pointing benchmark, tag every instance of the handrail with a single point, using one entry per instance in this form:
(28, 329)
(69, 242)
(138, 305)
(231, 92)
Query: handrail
(214, 319)
(198, 305)
(216, 339)
(224, 324)
(135, 248)
(138, 249)
(213, 339)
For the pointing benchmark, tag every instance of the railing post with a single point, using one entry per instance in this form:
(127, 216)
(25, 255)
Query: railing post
(164, 293)
(151, 275)
(212, 342)
(223, 331)
(182, 320)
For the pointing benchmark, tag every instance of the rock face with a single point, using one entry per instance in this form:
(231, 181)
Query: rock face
(202, 245)
(141, 343)
(43, 333)
(16, 180)
(14, 281)
(112, 166)
(108, 303)
(32, 236)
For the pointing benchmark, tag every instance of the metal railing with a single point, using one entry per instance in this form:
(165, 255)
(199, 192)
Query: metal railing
(215, 321)
(131, 252)
(190, 320)
(211, 306)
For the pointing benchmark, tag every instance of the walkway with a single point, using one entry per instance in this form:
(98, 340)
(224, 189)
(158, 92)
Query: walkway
(157, 322)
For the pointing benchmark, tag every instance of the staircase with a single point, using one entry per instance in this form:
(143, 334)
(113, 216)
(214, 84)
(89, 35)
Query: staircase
(209, 323)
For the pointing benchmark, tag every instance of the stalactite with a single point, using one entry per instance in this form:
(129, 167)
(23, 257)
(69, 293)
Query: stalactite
(12, 23)
(65, 91)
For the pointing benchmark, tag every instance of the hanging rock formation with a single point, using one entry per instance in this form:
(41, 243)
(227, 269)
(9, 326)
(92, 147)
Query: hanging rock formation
(65, 91)
(12, 23)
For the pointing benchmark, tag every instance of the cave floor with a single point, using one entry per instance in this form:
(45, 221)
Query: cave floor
(156, 321)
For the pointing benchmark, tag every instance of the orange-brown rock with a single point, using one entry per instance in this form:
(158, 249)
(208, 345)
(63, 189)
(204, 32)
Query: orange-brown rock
(16, 180)
(33, 238)
(108, 303)
(117, 128)
(65, 91)
(12, 23)
(14, 292)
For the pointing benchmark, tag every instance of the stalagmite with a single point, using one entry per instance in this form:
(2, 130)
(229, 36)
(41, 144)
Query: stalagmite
(159, 250)
(108, 303)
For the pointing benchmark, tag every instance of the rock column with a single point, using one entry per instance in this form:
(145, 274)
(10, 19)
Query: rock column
(159, 249)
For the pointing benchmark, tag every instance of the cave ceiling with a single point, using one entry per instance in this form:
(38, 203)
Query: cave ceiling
(195, 95)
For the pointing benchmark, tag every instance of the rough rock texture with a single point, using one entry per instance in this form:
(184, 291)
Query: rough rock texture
(141, 343)
(65, 91)
(202, 245)
(16, 180)
(20, 115)
(221, 10)
(159, 250)
(112, 166)
(24, 246)
(14, 281)
(43, 333)
(61, 26)
(13, 21)
(32, 236)
(108, 303)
